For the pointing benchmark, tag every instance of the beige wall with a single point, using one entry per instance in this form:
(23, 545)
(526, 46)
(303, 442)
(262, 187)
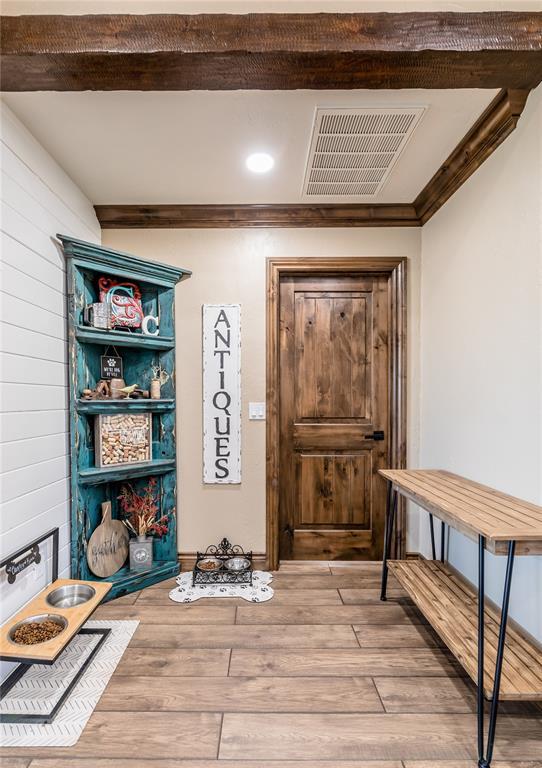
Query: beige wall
(229, 266)
(481, 404)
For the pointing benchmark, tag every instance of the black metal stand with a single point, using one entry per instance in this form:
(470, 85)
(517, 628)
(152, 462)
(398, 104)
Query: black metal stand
(221, 575)
(47, 718)
(485, 755)
(14, 565)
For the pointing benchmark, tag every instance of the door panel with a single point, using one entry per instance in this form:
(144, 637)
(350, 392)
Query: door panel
(334, 374)
(331, 370)
(333, 489)
(345, 544)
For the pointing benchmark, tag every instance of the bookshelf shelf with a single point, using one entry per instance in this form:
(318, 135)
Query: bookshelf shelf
(123, 339)
(97, 475)
(122, 406)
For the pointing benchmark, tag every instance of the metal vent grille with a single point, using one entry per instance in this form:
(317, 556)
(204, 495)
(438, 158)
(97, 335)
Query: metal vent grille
(353, 151)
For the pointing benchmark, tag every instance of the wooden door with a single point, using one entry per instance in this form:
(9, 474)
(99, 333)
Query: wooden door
(334, 401)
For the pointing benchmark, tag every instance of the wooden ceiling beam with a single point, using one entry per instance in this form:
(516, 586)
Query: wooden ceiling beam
(271, 51)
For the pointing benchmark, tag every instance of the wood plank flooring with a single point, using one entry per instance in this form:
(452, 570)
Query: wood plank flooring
(323, 676)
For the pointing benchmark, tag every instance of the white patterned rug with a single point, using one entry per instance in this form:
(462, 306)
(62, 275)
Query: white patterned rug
(41, 687)
(259, 592)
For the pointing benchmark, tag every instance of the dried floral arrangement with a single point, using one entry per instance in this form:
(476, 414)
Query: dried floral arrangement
(140, 510)
(160, 374)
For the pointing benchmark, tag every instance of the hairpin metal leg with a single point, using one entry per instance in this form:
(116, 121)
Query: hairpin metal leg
(485, 762)
(442, 540)
(432, 529)
(391, 507)
(481, 636)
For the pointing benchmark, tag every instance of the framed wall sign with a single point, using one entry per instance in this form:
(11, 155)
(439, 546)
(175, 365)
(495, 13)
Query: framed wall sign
(122, 438)
(111, 367)
(221, 393)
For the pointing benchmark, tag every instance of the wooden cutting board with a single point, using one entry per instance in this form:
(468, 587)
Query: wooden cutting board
(107, 548)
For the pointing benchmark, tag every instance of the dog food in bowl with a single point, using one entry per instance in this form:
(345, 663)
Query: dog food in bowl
(37, 629)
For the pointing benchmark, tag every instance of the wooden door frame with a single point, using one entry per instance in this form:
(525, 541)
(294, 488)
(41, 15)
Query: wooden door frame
(277, 268)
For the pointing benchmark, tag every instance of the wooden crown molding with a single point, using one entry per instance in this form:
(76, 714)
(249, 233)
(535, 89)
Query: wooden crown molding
(490, 130)
(271, 51)
(230, 216)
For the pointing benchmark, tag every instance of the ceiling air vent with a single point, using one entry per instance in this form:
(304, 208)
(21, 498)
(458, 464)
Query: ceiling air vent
(353, 151)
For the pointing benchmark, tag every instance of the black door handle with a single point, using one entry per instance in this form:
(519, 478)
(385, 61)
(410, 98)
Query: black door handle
(378, 434)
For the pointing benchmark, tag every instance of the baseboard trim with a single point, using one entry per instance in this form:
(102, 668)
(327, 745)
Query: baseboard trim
(260, 560)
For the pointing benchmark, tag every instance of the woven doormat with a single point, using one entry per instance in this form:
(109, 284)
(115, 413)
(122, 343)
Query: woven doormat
(258, 592)
(41, 687)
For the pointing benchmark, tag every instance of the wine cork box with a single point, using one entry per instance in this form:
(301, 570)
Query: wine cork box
(122, 438)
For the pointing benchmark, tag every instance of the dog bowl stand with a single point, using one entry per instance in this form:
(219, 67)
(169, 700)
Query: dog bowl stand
(46, 653)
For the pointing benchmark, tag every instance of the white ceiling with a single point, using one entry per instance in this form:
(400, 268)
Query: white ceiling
(190, 147)
(16, 7)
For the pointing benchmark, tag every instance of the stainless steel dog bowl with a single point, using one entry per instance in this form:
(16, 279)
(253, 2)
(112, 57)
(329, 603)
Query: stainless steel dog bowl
(209, 564)
(237, 564)
(37, 620)
(70, 595)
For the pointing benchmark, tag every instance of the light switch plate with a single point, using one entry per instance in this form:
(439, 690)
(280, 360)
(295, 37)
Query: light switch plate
(256, 411)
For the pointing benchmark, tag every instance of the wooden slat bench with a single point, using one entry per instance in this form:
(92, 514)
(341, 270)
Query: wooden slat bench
(503, 661)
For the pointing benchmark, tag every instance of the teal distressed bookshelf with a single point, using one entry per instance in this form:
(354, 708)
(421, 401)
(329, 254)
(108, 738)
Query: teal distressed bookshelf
(90, 484)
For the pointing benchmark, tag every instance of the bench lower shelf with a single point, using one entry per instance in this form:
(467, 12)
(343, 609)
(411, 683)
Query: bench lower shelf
(450, 606)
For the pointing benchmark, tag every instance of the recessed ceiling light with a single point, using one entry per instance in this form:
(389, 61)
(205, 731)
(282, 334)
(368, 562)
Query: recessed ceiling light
(260, 162)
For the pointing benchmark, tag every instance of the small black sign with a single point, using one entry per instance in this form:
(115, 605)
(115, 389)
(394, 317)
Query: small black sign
(110, 367)
(13, 568)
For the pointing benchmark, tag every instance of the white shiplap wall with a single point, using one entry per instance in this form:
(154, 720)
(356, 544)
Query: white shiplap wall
(38, 200)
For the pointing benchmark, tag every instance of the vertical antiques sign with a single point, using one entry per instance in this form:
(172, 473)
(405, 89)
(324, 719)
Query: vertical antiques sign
(221, 393)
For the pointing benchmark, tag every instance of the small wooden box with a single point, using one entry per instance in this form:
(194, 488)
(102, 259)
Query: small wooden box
(122, 438)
